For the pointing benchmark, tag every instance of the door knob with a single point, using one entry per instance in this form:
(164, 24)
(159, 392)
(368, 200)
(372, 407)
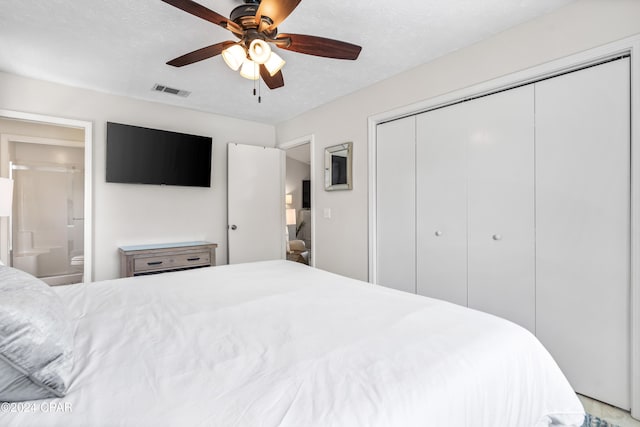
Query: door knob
(496, 237)
(233, 227)
(438, 233)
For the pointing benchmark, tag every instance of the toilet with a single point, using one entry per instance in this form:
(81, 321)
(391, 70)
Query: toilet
(77, 263)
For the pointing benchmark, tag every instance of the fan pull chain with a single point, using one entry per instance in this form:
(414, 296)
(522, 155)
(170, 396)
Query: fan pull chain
(256, 91)
(255, 71)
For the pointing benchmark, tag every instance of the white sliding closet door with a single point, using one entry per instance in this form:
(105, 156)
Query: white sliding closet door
(395, 205)
(501, 276)
(582, 211)
(441, 222)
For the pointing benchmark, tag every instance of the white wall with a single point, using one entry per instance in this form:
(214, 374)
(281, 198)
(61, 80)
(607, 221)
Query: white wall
(341, 241)
(126, 214)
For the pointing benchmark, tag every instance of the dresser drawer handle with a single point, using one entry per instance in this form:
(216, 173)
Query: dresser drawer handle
(154, 263)
(193, 259)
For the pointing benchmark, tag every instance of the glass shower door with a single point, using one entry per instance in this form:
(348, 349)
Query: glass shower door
(47, 221)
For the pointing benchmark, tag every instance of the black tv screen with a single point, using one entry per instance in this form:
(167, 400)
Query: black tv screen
(137, 155)
(306, 194)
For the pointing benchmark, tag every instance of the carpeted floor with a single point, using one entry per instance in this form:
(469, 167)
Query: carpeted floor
(591, 421)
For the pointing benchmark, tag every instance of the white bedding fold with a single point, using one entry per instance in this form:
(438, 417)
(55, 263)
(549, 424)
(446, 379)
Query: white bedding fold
(281, 344)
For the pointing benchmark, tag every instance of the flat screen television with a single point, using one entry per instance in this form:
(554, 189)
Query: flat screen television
(138, 155)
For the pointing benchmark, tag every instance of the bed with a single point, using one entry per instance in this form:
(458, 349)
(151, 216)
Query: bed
(278, 343)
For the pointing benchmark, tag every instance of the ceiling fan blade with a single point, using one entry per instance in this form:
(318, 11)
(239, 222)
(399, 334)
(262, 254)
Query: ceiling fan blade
(200, 54)
(273, 82)
(200, 11)
(318, 46)
(276, 10)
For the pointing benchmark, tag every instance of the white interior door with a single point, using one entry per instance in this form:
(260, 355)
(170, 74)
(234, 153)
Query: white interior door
(255, 203)
(441, 194)
(395, 204)
(501, 235)
(583, 223)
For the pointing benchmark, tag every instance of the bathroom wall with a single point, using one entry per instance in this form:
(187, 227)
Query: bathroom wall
(21, 127)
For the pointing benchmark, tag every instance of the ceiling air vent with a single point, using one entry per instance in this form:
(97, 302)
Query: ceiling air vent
(173, 91)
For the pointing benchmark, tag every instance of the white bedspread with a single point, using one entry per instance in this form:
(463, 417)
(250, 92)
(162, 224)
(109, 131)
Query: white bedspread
(281, 344)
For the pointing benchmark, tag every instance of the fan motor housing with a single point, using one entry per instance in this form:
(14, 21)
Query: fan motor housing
(245, 16)
(243, 11)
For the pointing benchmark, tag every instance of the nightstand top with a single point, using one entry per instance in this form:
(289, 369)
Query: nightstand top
(162, 246)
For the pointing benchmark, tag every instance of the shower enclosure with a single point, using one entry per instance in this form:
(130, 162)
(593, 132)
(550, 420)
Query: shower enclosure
(47, 221)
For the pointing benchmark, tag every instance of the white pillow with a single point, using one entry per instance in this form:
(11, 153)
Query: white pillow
(36, 339)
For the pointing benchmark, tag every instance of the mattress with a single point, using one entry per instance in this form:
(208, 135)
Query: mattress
(279, 343)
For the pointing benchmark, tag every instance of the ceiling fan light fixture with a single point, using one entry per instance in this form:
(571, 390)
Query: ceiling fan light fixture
(234, 56)
(250, 70)
(274, 64)
(255, 24)
(259, 51)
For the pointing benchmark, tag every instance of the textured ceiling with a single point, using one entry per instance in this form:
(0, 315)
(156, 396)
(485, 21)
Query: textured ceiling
(121, 47)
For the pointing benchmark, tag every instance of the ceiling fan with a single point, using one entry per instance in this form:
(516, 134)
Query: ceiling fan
(255, 25)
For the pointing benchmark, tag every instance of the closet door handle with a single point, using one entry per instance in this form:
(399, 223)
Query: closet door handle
(496, 237)
(438, 233)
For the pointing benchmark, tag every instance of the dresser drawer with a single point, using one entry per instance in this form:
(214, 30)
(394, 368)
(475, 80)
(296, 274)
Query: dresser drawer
(166, 262)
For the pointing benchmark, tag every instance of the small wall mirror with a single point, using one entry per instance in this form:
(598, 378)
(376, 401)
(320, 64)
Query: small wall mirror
(337, 167)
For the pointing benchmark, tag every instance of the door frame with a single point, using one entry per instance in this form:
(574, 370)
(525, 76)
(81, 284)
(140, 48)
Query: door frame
(307, 139)
(628, 46)
(87, 127)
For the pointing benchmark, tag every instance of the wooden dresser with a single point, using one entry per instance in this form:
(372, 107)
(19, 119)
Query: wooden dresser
(159, 258)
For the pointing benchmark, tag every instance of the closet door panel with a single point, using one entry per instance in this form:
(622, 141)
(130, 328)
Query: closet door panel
(583, 226)
(395, 204)
(501, 206)
(441, 218)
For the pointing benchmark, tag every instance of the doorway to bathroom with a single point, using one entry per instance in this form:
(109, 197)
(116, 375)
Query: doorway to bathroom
(47, 227)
